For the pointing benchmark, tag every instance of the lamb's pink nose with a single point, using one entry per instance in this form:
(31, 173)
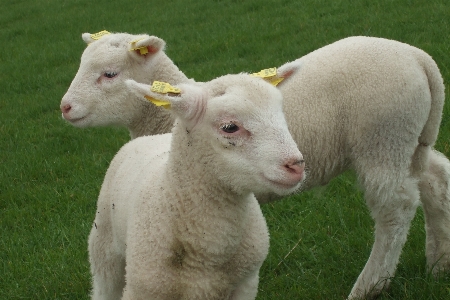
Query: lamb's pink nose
(66, 108)
(296, 169)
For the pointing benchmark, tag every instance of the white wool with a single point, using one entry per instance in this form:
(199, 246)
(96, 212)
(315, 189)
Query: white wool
(176, 218)
(366, 104)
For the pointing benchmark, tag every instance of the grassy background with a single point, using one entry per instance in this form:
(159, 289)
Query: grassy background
(51, 172)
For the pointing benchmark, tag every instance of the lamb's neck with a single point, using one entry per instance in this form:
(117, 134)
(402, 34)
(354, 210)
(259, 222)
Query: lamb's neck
(192, 166)
(207, 219)
(193, 177)
(163, 69)
(196, 200)
(150, 120)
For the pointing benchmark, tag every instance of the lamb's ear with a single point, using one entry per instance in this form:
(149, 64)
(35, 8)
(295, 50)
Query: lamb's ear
(187, 101)
(87, 38)
(287, 70)
(146, 45)
(277, 76)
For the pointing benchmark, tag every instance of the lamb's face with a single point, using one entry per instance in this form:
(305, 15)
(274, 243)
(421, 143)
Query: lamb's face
(249, 134)
(233, 128)
(97, 95)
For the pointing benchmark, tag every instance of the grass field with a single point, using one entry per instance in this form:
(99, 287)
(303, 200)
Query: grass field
(51, 172)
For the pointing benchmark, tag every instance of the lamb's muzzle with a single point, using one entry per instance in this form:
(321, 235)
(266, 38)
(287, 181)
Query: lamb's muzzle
(294, 173)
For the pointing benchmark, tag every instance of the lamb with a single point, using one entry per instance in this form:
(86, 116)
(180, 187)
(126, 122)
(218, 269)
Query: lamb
(176, 216)
(355, 102)
(375, 106)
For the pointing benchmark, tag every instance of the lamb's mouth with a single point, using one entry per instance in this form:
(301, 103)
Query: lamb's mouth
(74, 120)
(283, 185)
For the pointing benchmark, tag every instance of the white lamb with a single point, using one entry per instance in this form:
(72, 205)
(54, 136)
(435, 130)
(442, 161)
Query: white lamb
(368, 104)
(176, 218)
(374, 105)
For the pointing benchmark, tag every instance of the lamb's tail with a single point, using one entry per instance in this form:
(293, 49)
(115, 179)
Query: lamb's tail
(430, 131)
(437, 90)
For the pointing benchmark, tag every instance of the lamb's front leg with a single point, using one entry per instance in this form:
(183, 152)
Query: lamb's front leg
(107, 267)
(392, 221)
(247, 288)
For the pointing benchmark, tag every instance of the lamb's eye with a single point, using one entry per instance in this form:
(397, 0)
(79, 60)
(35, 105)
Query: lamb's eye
(229, 128)
(110, 74)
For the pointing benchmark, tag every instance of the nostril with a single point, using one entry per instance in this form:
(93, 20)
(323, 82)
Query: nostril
(66, 108)
(296, 166)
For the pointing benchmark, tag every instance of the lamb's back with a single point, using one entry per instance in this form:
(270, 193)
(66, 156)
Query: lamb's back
(343, 89)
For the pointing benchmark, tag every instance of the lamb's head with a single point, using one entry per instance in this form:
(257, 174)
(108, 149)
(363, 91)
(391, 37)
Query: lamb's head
(234, 129)
(97, 95)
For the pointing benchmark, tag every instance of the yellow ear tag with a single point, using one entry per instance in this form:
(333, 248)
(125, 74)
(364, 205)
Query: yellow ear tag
(266, 73)
(269, 75)
(162, 88)
(162, 103)
(100, 34)
(275, 81)
(142, 50)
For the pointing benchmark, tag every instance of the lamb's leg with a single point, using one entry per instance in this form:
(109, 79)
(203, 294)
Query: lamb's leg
(435, 195)
(392, 209)
(248, 288)
(107, 267)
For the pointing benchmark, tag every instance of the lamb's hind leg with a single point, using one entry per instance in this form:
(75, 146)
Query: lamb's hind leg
(392, 208)
(435, 195)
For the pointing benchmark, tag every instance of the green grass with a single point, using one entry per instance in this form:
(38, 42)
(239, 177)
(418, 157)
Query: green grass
(51, 172)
